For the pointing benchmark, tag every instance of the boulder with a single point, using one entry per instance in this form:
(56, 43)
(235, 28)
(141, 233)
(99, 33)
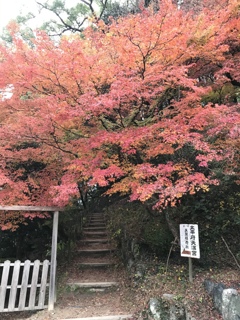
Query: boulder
(226, 300)
(167, 308)
(230, 304)
(158, 310)
(215, 290)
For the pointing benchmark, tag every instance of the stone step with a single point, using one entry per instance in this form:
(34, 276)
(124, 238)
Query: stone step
(96, 264)
(102, 222)
(96, 246)
(75, 285)
(102, 226)
(113, 317)
(95, 225)
(94, 240)
(97, 213)
(97, 218)
(93, 251)
(93, 228)
(94, 234)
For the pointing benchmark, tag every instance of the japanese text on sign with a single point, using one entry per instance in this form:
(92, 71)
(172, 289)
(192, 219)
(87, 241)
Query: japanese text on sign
(189, 241)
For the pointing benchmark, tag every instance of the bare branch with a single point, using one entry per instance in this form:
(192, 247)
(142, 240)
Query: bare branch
(230, 252)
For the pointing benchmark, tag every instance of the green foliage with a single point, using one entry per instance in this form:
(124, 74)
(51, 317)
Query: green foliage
(70, 222)
(134, 221)
(127, 218)
(217, 213)
(25, 32)
(28, 166)
(115, 10)
(67, 19)
(69, 230)
(224, 94)
(33, 239)
(158, 236)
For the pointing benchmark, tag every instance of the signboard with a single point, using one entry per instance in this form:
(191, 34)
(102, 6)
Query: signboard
(189, 241)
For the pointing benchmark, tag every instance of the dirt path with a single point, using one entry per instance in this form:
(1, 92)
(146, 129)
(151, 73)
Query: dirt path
(92, 286)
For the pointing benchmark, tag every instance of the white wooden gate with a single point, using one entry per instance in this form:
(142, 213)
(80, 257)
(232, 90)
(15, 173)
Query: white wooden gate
(24, 285)
(18, 292)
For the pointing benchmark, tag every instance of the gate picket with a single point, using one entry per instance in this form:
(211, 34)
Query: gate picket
(34, 283)
(14, 285)
(15, 296)
(43, 286)
(24, 285)
(4, 281)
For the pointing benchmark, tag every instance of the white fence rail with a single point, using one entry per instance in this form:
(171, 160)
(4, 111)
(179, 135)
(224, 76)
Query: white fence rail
(24, 286)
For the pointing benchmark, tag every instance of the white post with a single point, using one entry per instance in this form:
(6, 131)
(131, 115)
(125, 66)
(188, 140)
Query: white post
(53, 266)
(190, 269)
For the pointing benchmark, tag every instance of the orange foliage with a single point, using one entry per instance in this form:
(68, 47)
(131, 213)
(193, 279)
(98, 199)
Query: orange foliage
(120, 107)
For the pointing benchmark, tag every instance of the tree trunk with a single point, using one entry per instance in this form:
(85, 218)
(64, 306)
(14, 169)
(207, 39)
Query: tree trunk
(173, 228)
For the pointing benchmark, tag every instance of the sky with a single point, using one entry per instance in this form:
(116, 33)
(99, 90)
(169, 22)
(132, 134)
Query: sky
(9, 9)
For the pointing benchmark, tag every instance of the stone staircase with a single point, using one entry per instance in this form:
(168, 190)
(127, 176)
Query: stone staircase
(96, 265)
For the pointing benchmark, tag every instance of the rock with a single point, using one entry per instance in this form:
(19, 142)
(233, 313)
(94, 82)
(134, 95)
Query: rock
(166, 308)
(230, 304)
(189, 316)
(226, 300)
(135, 249)
(209, 285)
(176, 309)
(140, 270)
(217, 296)
(130, 264)
(177, 312)
(215, 290)
(168, 296)
(155, 308)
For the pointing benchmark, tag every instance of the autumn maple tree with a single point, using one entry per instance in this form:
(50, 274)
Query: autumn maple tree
(136, 106)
